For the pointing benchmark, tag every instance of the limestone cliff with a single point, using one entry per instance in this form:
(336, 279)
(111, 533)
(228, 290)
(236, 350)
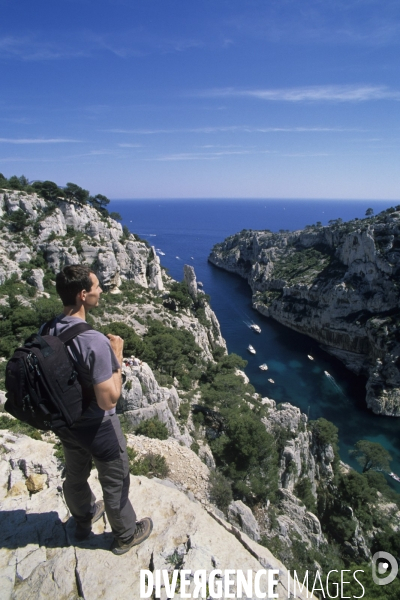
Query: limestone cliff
(64, 232)
(67, 232)
(338, 284)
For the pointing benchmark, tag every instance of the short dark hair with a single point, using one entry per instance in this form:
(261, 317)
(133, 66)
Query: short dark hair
(72, 280)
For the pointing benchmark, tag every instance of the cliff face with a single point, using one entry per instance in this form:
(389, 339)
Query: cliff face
(68, 233)
(65, 232)
(338, 284)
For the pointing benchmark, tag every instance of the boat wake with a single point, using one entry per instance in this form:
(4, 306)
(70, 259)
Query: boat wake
(250, 324)
(333, 382)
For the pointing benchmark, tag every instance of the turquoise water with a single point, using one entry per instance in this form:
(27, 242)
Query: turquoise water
(186, 231)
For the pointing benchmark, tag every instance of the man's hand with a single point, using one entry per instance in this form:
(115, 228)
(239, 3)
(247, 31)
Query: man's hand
(117, 344)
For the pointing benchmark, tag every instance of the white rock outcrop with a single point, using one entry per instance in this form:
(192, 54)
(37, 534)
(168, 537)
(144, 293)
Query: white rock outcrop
(40, 558)
(337, 284)
(67, 232)
(142, 398)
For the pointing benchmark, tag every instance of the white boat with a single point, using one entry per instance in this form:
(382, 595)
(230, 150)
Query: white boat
(271, 380)
(264, 367)
(255, 328)
(160, 252)
(251, 349)
(310, 357)
(200, 283)
(394, 476)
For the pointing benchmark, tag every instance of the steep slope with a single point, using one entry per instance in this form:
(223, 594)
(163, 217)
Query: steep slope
(65, 232)
(338, 284)
(40, 557)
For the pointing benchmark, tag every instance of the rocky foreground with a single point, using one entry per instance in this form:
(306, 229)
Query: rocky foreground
(40, 557)
(338, 284)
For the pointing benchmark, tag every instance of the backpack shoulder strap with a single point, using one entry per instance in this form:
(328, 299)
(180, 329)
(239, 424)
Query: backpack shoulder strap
(44, 330)
(72, 332)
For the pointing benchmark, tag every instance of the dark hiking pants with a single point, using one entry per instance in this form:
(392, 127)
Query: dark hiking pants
(106, 445)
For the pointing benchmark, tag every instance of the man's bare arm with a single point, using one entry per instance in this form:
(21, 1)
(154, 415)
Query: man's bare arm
(109, 391)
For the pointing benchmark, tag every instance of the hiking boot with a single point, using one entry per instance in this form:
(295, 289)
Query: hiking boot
(81, 533)
(142, 532)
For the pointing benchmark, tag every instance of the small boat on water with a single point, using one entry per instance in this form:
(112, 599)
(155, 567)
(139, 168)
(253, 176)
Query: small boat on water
(160, 252)
(394, 476)
(200, 283)
(310, 357)
(251, 349)
(271, 380)
(327, 374)
(255, 328)
(264, 367)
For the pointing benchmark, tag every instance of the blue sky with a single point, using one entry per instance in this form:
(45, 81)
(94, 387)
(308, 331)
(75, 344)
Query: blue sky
(203, 99)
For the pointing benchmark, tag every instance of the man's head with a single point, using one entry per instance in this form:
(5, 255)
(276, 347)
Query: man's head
(77, 284)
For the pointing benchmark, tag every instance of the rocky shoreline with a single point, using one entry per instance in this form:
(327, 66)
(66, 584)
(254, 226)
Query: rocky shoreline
(338, 284)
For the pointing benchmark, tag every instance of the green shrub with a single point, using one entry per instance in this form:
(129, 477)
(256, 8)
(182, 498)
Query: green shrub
(152, 428)
(171, 351)
(324, 431)
(195, 447)
(179, 292)
(163, 379)
(59, 452)
(21, 321)
(220, 490)
(133, 345)
(19, 427)
(247, 455)
(184, 410)
(19, 219)
(303, 490)
(150, 465)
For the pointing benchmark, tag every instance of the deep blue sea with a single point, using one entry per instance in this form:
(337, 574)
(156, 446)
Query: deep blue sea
(186, 230)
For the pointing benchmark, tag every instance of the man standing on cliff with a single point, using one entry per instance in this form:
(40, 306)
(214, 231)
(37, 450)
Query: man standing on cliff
(97, 435)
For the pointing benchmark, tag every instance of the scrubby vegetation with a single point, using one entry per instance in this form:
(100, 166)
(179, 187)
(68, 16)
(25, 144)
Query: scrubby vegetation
(19, 427)
(364, 492)
(244, 451)
(51, 191)
(220, 490)
(169, 351)
(150, 465)
(18, 321)
(303, 264)
(152, 428)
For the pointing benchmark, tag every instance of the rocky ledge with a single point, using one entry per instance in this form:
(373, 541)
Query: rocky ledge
(40, 557)
(338, 284)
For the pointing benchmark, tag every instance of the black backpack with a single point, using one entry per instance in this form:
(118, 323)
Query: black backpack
(42, 382)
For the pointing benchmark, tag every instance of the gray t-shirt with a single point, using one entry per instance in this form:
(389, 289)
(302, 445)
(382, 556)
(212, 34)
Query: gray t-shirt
(91, 351)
